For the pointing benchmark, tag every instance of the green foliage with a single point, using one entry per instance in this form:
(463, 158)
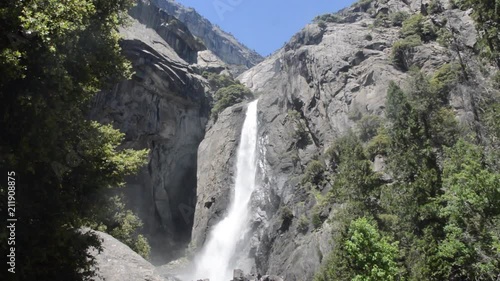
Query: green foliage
(363, 5)
(496, 80)
(218, 81)
(444, 78)
(413, 26)
(485, 14)
(379, 145)
(444, 37)
(316, 219)
(230, 95)
(54, 57)
(398, 18)
(353, 178)
(364, 255)
(111, 216)
(313, 173)
(329, 18)
(382, 20)
(492, 122)
(434, 7)
(321, 24)
(402, 50)
(286, 214)
(471, 207)
(367, 127)
(303, 224)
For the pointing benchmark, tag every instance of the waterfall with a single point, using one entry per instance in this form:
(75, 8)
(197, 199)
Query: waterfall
(219, 252)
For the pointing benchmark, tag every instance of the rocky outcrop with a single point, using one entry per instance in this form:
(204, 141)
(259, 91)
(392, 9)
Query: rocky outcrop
(164, 108)
(331, 76)
(216, 171)
(238, 57)
(170, 29)
(117, 262)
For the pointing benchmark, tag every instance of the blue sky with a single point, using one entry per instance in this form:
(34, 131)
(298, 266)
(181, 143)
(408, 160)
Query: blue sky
(264, 25)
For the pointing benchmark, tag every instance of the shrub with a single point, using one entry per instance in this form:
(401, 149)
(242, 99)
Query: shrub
(322, 24)
(368, 126)
(398, 18)
(444, 37)
(434, 7)
(369, 254)
(363, 5)
(217, 81)
(303, 224)
(313, 173)
(286, 214)
(444, 127)
(329, 18)
(316, 219)
(443, 79)
(402, 50)
(379, 145)
(230, 95)
(368, 37)
(496, 80)
(429, 31)
(412, 26)
(382, 20)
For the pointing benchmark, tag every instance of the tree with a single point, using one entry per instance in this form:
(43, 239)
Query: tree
(471, 202)
(230, 95)
(54, 57)
(486, 14)
(364, 255)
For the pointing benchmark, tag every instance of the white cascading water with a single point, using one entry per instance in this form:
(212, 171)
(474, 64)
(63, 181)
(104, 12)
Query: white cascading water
(219, 252)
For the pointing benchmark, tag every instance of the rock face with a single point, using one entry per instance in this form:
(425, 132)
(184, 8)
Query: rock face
(117, 262)
(170, 29)
(331, 76)
(216, 171)
(164, 108)
(225, 46)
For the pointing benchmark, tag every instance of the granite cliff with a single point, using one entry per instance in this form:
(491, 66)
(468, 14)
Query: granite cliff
(316, 88)
(320, 85)
(237, 56)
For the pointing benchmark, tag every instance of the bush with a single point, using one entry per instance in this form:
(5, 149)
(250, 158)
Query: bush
(316, 219)
(230, 95)
(286, 214)
(412, 26)
(368, 37)
(444, 37)
(217, 81)
(434, 7)
(367, 127)
(313, 173)
(322, 24)
(496, 80)
(379, 145)
(329, 18)
(303, 224)
(402, 50)
(429, 31)
(122, 224)
(398, 18)
(382, 20)
(442, 80)
(444, 127)
(363, 5)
